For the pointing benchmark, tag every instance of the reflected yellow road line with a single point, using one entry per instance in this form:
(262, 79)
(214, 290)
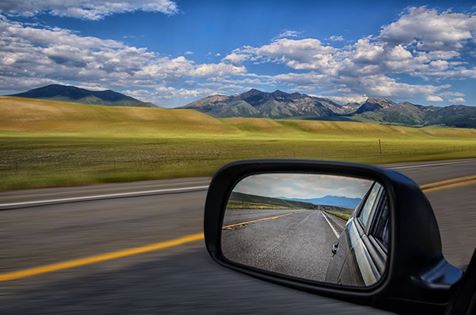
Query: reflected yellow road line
(231, 226)
(440, 185)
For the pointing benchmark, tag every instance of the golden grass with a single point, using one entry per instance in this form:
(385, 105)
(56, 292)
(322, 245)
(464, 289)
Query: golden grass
(54, 143)
(51, 117)
(48, 117)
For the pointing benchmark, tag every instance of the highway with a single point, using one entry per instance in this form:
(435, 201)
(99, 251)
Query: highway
(158, 260)
(272, 246)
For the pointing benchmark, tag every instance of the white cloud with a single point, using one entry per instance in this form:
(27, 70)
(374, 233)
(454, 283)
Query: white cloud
(434, 98)
(361, 68)
(288, 34)
(457, 100)
(236, 58)
(430, 30)
(298, 54)
(336, 38)
(303, 185)
(452, 94)
(31, 56)
(378, 65)
(366, 51)
(165, 93)
(381, 85)
(85, 9)
(218, 69)
(421, 43)
(348, 99)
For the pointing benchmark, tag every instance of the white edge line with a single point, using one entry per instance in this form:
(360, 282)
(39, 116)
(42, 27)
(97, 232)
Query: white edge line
(425, 165)
(333, 229)
(6, 206)
(96, 197)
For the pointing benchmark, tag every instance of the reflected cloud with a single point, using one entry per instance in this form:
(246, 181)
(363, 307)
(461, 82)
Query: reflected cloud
(303, 186)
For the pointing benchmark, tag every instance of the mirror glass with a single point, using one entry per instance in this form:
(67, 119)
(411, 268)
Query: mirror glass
(324, 228)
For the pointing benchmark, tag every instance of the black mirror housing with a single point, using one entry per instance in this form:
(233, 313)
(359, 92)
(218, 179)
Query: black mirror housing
(417, 275)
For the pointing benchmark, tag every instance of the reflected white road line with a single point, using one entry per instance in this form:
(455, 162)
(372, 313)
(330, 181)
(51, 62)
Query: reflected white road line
(332, 228)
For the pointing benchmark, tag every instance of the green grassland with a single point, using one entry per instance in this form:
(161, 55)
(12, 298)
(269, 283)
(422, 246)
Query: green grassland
(344, 214)
(238, 201)
(53, 143)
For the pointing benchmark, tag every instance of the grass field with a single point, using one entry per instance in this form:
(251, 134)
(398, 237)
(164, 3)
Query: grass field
(53, 143)
(243, 201)
(344, 215)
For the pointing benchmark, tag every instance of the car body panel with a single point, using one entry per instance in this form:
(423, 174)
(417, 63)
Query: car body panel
(359, 259)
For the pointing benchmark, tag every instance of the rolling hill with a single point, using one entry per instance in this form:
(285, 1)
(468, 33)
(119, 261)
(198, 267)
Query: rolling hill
(58, 117)
(336, 201)
(79, 95)
(55, 117)
(47, 143)
(282, 105)
(246, 201)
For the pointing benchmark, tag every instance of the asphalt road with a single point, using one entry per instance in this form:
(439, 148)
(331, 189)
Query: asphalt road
(178, 279)
(297, 243)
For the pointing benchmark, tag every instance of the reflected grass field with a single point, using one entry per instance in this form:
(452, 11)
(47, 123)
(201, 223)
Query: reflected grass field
(341, 214)
(52, 143)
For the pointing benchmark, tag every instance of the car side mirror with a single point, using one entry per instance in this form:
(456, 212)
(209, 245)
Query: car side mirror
(355, 232)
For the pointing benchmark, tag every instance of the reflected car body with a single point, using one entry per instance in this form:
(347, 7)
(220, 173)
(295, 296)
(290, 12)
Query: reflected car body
(359, 257)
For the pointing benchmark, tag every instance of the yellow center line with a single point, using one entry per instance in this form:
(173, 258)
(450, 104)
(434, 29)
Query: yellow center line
(231, 226)
(100, 258)
(448, 181)
(117, 254)
(440, 185)
(452, 185)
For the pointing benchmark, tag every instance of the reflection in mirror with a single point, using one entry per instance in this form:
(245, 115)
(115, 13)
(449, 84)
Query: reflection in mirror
(324, 228)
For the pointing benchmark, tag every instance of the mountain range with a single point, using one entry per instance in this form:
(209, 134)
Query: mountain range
(282, 105)
(79, 95)
(336, 201)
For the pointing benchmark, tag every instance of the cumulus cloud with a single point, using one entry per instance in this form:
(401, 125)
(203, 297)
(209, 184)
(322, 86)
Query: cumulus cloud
(431, 30)
(85, 9)
(288, 34)
(361, 68)
(336, 38)
(236, 58)
(33, 56)
(298, 54)
(421, 43)
(434, 98)
(457, 100)
(348, 99)
(163, 92)
(384, 86)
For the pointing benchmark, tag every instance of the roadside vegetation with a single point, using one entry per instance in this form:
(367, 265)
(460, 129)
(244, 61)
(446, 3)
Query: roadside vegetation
(52, 143)
(341, 214)
(238, 201)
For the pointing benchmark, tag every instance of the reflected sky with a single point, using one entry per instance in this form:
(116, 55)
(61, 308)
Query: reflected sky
(303, 186)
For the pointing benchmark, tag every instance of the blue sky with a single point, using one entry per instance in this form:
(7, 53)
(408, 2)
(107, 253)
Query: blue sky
(174, 52)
